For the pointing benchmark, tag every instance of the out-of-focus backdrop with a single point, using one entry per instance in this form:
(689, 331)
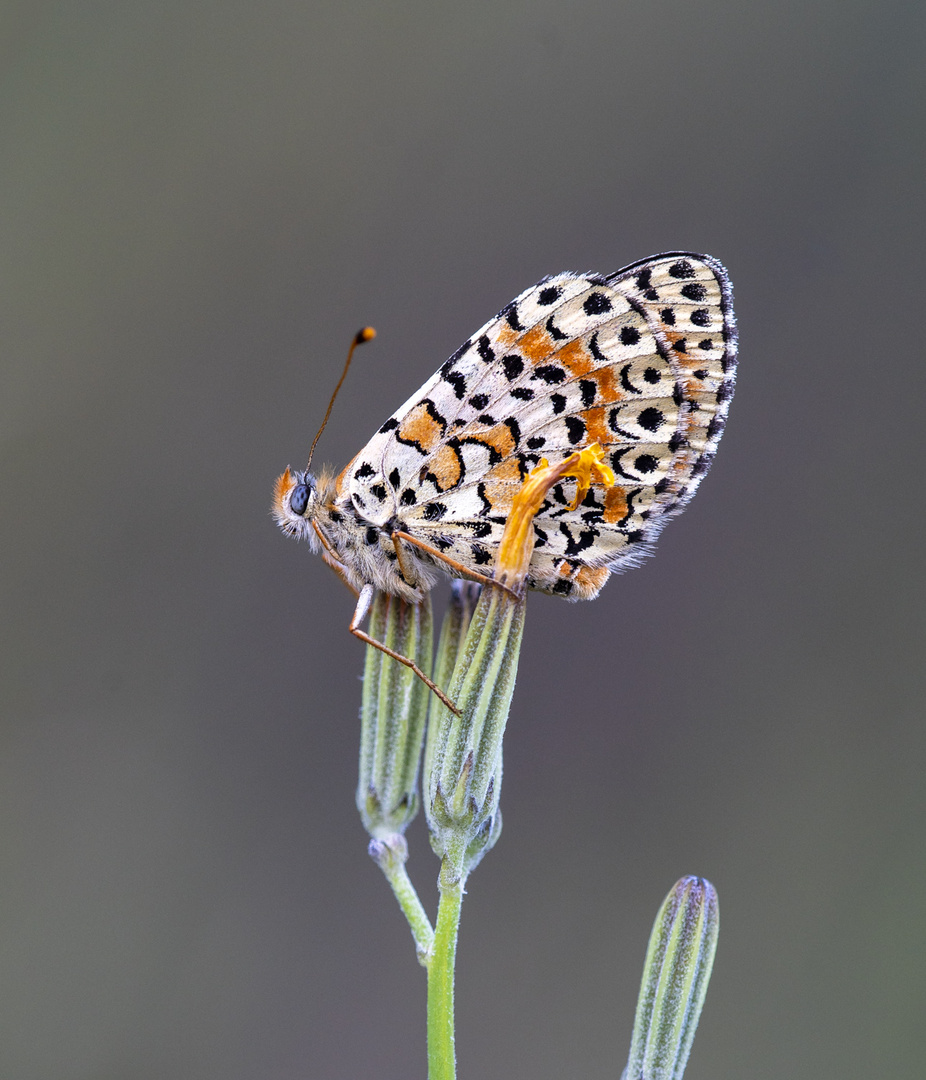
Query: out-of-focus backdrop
(200, 204)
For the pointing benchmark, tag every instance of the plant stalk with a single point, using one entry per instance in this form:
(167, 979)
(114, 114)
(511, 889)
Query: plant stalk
(441, 1049)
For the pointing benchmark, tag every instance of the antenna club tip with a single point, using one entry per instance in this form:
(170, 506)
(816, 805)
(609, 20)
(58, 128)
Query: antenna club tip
(367, 333)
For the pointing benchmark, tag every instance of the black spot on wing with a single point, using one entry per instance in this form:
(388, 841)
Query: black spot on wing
(595, 350)
(549, 295)
(575, 429)
(550, 373)
(626, 383)
(457, 380)
(682, 269)
(485, 350)
(510, 315)
(724, 392)
(597, 303)
(616, 463)
(515, 430)
(613, 416)
(651, 419)
(512, 365)
(694, 290)
(715, 427)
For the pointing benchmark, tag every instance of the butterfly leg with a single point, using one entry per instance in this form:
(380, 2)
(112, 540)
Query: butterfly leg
(463, 571)
(330, 559)
(364, 600)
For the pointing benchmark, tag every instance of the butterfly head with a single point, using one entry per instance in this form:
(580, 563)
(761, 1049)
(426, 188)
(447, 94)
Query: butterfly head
(295, 502)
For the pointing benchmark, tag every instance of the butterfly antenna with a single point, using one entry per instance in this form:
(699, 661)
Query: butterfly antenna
(366, 334)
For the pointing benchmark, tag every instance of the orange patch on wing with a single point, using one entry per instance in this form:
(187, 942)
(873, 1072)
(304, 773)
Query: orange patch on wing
(507, 335)
(421, 428)
(574, 357)
(446, 468)
(501, 485)
(607, 387)
(535, 345)
(596, 427)
(615, 504)
(506, 472)
(499, 438)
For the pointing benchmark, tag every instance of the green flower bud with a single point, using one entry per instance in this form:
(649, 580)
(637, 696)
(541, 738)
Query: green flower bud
(392, 715)
(675, 977)
(463, 760)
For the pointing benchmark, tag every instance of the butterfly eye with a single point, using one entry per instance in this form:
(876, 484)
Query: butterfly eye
(299, 499)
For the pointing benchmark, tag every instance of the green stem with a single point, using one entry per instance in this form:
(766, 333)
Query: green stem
(412, 908)
(441, 1053)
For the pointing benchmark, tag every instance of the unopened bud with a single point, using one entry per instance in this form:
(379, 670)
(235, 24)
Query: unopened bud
(392, 715)
(464, 754)
(675, 977)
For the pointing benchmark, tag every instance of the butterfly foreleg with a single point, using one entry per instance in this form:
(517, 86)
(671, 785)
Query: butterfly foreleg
(364, 601)
(463, 571)
(330, 559)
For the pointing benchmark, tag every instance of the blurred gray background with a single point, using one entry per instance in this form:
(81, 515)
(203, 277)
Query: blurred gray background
(200, 204)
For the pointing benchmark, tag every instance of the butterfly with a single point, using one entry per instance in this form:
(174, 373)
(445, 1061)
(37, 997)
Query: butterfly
(642, 362)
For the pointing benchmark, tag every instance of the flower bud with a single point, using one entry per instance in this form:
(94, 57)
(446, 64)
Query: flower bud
(675, 977)
(392, 715)
(480, 642)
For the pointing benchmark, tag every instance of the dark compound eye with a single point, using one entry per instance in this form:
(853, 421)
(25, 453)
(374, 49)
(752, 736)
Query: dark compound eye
(299, 499)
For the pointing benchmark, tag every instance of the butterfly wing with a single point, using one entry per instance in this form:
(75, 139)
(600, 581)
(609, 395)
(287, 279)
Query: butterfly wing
(642, 361)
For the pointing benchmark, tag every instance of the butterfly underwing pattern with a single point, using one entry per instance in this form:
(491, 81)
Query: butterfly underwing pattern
(642, 362)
